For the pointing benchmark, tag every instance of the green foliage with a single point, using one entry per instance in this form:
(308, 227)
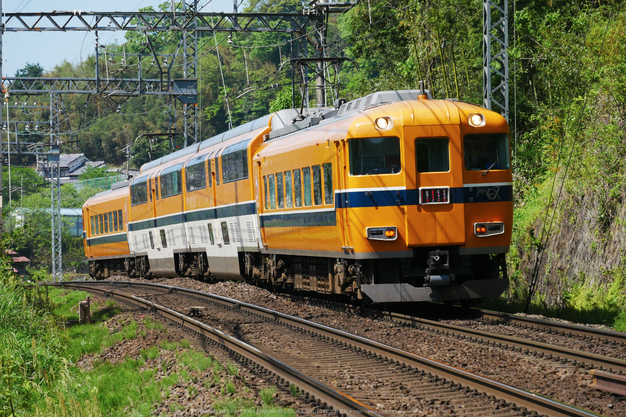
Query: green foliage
(267, 395)
(150, 353)
(92, 172)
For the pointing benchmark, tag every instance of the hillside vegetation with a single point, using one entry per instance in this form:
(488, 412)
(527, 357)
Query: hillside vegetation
(568, 111)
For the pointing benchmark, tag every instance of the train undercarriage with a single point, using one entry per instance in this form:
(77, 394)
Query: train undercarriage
(431, 275)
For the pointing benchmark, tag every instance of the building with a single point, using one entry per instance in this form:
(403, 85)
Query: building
(72, 166)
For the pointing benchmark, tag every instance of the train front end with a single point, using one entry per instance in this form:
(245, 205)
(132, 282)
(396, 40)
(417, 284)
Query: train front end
(430, 195)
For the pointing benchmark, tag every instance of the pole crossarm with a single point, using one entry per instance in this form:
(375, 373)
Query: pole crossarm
(114, 86)
(66, 21)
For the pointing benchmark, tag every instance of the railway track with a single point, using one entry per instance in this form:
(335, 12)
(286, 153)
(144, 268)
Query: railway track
(378, 378)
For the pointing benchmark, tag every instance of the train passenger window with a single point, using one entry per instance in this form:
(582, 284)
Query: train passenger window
(306, 177)
(235, 162)
(297, 187)
(374, 156)
(93, 226)
(211, 238)
(171, 181)
(272, 191)
(328, 184)
(115, 224)
(432, 155)
(217, 171)
(195, 174)
(267, 198)
(106, 222)
(288, 190)
(317, 185)
(139, 191)
(225, 233)
(151, 239)
(279, 190)
(111, 222)
(163, 239)
(120, 220)
(210, 173)
(486, 151)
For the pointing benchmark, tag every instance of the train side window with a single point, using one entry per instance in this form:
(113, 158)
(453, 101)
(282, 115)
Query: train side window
(120, 220)
(93, 226)
(306, 177)
(266, 195)
(288, 190)
(106, 223)
(151, 239)
(279, 190)
(101, 223)
(432, 155)
(217, 170)
(317, 185)
(163, 238)
(225, 233)
(297, 187)
(139, 191)
(211, 238)
(110, 221)
(210, 173)
(195, 174)
(115, 223)
(272, 192)
(328, 184)
(171, 181)
(374, 156)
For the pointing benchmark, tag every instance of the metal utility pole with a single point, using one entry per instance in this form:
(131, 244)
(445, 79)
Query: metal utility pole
(55, 188)
(495, 56)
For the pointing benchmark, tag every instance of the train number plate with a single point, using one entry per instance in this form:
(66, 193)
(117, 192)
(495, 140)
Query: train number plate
(434, 195)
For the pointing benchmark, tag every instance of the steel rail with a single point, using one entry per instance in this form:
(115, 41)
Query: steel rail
(521, 398)
(331, 398)
(565, 328)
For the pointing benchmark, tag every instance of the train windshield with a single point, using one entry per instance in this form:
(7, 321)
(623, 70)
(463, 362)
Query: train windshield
(486, 151)
(374, 156)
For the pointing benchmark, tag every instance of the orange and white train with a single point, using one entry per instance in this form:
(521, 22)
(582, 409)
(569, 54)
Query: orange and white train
(393, 197)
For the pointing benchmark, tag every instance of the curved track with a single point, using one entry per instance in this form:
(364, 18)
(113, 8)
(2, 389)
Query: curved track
(360, 360)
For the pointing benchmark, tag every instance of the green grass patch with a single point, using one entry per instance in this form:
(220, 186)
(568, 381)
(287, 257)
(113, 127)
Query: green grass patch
(150, 353)
(196, 360)
(168, 345)
(152, 325)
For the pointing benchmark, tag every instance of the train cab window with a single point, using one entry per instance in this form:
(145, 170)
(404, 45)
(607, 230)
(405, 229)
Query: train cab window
(211, 238)
(163, 238)
(486, 151)
(306, 177)
(317, 185)
(115, 224)
(279, 190)
(432, 155)
(288, 190)
(328, 184)
(265, 193)
(120, 220)
(297, 187)
(195, 174)
(225, 233)
(93, 226)
(101, 223)
(139, 191)
(171, 181)
(270, 180)
(374, 156)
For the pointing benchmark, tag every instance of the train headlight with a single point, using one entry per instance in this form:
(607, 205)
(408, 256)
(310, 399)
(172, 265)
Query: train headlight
(383, 123)
(382, 233)
(476, 120)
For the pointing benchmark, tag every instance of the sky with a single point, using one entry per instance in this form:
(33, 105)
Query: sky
(51, 48)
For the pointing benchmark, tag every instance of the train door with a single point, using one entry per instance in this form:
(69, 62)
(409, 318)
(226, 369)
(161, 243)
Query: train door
(340, 204)
(435, 178)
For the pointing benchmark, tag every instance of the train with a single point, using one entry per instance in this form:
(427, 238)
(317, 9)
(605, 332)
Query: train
(394, 197)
